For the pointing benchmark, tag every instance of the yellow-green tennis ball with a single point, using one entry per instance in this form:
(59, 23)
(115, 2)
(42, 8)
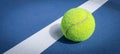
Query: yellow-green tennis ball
(77, 24)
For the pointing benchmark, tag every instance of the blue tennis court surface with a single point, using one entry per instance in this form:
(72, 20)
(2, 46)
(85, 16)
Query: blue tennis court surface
(105, 40)
(21, 19)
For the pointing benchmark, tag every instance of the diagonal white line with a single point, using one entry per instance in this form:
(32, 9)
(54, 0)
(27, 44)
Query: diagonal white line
(44, 38)
(93, 5)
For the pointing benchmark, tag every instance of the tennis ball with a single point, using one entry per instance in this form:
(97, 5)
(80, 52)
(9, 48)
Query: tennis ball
(77, 24)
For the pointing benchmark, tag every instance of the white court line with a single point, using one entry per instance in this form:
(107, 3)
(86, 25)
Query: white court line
(44, 38)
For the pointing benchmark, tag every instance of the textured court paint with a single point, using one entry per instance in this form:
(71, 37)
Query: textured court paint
(28, 16)
(105, 40)
(21, 19)
(27, 45)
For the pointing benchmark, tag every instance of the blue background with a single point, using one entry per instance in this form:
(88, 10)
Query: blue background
(20, 19)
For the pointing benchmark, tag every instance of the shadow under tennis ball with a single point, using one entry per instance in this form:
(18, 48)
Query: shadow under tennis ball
(56, 33)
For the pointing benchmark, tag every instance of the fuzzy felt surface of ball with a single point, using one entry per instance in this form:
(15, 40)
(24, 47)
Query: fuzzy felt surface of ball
(78, 24)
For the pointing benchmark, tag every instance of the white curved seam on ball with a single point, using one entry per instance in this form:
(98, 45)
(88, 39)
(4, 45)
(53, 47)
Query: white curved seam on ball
(80, 22)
